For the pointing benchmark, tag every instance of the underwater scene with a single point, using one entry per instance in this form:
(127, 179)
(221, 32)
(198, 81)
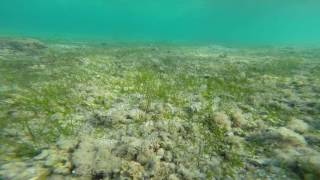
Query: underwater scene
(168, 90)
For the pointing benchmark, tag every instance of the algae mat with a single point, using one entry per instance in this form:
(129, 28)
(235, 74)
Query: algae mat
(89, 110)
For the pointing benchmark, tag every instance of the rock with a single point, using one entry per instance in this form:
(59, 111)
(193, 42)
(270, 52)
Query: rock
(58, 161)
(195, 107)
(312, 139)
(304, 159)
(105, 162)
(239, 132)
(280, 136)
(212, 164)
(260, 124)
(129, 148)
(290, 137)
(242, 75)
(238, 119)
(12, 170)
(236, 142)
(160, 153)
(185, 173)
(35, 172)
(310, 164)
(168, 156)
(164, 169)
(40, 174)
(83, 157)
(136, 114)
(258, 162)
(101, 119)
(23, 45)
(173, 177)
(207, 76)
(223, 55)
(95, 158)
(70, 177)
(287, 156)
(67, 144)
(222, 120)
(298, 125)
(145, 157)
(133, 170)
(63, 168)
(55, 158)
(57, 117)
(117, 115)
(43, 155)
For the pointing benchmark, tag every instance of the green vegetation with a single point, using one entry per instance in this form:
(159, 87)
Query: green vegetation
(43, 94)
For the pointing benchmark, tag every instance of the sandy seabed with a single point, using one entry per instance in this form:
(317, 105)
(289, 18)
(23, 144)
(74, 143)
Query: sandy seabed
(75, 110)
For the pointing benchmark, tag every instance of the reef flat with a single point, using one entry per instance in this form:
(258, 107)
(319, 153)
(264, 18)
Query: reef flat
(102, 111)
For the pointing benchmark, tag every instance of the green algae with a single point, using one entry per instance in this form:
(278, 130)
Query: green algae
(65, 88)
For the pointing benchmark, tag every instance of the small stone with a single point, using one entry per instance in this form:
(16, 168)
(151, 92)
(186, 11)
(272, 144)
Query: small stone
(41, 174)
(223, 55)
(236, 142)
(185, 173)
(12, 170)
(173, 177)
(312, 138)
(136, 114)
(298, 125)
(287, 156)
(160, 153)
(290, 137)
(63, 169)
(144, 157)
(56, 117)
(214, 162)
(195, 107)
(43, 155)
(134, 170)
(83, 157)
(222, 120)
(311, 164)
(238, 119)
(67, 144)
(168, 156)
(283, 136)
(56, 177)
(260, 124)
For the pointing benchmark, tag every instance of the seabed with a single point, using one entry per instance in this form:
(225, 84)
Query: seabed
(75, 110)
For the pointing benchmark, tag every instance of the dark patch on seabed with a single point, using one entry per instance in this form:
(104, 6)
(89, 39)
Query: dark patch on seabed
(97, 111)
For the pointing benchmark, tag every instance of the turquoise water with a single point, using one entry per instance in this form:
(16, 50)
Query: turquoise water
(213, 21)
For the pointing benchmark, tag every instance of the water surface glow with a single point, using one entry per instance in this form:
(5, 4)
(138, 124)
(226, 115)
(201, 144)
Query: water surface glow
(231, 21)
